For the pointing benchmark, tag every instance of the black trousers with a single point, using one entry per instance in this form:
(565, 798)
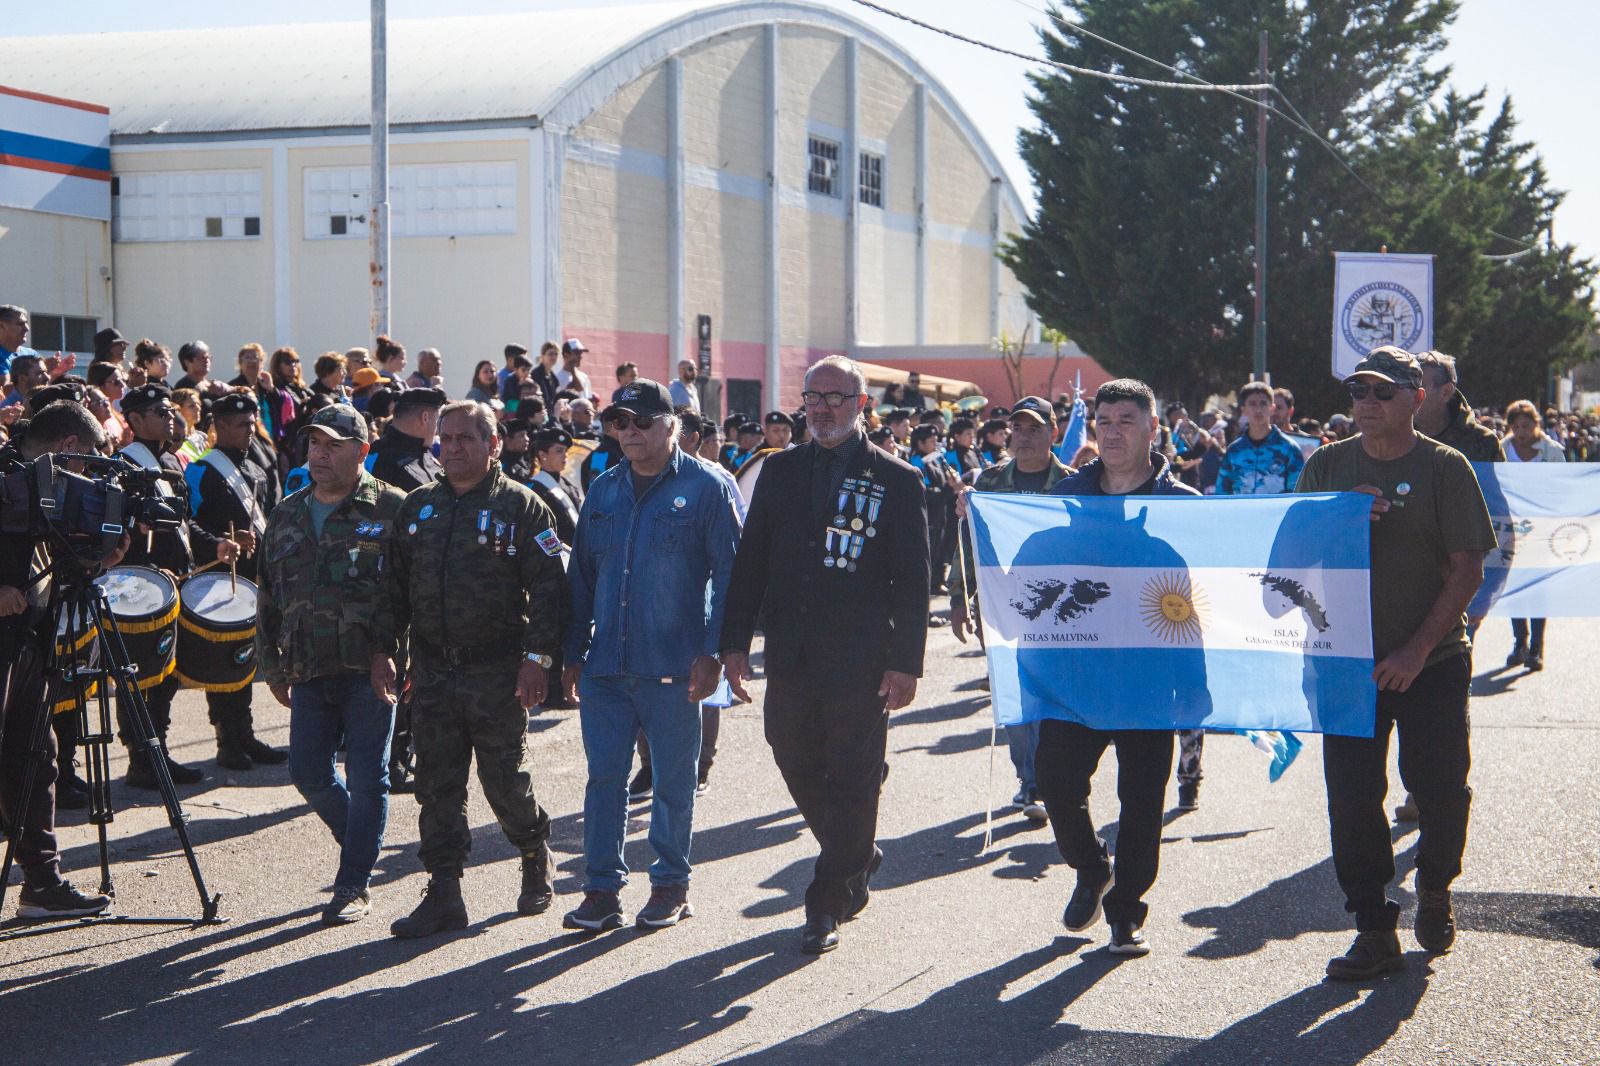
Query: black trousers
(1066, 759)
(829, 742)
(1431, 719)
(1519, 633)
(157, 701)
(21, 696)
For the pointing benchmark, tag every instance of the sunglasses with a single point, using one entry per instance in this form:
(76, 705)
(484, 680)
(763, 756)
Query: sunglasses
(642, 423)
(1384, 392)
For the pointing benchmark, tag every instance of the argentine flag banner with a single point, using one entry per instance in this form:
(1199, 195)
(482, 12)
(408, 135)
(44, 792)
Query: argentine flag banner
(1168, 612)
(1547, 519)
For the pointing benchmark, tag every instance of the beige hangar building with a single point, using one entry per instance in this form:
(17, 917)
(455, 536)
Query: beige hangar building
(611, 174)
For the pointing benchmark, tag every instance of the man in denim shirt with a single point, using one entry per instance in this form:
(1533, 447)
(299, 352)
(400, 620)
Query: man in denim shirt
(655, 531)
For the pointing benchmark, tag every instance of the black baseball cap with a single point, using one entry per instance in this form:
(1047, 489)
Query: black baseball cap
(1036, 408)
(641, 396)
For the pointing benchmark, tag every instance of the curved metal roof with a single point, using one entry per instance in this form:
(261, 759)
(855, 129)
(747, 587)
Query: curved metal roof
(534, 68)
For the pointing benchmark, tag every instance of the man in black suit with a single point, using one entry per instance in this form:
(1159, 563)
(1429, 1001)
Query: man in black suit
(836, 542)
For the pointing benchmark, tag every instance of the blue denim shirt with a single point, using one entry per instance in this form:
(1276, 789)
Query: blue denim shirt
(649, 578)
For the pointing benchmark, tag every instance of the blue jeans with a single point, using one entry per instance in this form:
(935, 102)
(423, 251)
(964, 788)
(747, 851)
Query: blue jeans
(615, 708)
(355, 805)
(1023, 740)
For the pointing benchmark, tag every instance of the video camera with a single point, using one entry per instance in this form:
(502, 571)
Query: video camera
(88, 512)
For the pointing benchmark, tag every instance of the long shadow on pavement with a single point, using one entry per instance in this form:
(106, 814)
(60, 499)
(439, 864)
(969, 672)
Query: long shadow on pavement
(970, 1021)
(1304, 902)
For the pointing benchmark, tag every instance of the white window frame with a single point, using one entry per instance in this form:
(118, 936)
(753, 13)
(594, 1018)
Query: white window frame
(425, 200)
(187, 205)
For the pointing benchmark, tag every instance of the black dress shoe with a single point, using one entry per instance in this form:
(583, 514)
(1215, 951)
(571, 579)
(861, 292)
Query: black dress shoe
(861, 891)
(821, 935)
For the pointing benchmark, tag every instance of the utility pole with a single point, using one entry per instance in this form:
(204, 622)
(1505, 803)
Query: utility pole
(1260, 368)
(378, 194)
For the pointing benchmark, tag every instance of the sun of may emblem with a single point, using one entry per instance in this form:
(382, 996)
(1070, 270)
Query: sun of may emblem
(1173, 608)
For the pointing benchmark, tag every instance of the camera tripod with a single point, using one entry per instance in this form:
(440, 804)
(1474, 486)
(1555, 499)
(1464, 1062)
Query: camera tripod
(88, 654)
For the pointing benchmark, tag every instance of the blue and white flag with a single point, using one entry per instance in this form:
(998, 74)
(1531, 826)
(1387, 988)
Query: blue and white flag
(1547, 518)
(1164, 612)
(55, 154)
(1077, 431)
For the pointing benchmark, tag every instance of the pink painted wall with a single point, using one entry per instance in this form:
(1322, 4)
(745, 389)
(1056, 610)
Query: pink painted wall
(990, 376)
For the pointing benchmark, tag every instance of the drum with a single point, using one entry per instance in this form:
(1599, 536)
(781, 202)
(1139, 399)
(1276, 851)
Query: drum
(81, 649)
(216, 633)
(144, 601)
(750, 472)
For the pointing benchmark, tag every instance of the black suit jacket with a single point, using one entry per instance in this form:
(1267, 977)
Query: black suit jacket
(840, 624)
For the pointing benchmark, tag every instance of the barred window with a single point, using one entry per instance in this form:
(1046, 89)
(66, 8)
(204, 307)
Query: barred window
(823, 175)
(871, 179)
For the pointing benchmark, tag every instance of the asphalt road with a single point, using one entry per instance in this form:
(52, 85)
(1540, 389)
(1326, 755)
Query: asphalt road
(961, 958)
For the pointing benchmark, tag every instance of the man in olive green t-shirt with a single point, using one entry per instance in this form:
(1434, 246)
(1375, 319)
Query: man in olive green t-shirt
(1430, 531)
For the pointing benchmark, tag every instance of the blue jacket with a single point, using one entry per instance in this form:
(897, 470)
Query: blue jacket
(1085, 481)
(649, 578)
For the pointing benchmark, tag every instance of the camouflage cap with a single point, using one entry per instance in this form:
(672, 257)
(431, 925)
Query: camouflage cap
(1395, 365)
(341, 422)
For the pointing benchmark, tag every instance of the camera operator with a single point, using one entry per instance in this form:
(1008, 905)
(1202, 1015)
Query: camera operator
(25, 638)
(154, 422)
(233, 487)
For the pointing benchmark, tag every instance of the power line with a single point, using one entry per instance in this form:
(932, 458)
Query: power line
(1195, 84)
(1122, 79)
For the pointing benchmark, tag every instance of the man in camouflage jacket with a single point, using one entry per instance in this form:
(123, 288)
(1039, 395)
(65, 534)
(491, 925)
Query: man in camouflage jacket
(324, 619)
(477, 577)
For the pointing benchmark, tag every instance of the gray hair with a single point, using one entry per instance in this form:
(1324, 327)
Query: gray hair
(1444, 364)
(839, 362)
(583, 403)
(12, 313)
(480, 413)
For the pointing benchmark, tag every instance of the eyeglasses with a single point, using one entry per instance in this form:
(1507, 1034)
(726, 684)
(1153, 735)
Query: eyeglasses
(642, 423)
(1383, 391)
(832, 399)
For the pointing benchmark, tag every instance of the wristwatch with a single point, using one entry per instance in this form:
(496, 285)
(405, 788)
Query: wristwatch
(543, 660)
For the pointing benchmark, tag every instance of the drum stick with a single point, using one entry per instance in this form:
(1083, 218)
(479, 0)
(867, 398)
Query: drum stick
(233, 567)
(202, 569)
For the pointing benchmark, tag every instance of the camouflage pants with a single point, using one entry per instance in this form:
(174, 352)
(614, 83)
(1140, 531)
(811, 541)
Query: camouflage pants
(456, 714)
(1191, 744)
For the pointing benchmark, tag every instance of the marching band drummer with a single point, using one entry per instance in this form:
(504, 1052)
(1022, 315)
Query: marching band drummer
(153, 419)
(230, 489)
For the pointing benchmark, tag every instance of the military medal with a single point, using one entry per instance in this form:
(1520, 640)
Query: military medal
(856, 524)
(856, 544)
(483, 527)
(831, 533)
(511, 545)
(873, 506)
(354, 552)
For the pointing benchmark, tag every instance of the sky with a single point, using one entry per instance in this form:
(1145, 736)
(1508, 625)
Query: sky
(1538, 51)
